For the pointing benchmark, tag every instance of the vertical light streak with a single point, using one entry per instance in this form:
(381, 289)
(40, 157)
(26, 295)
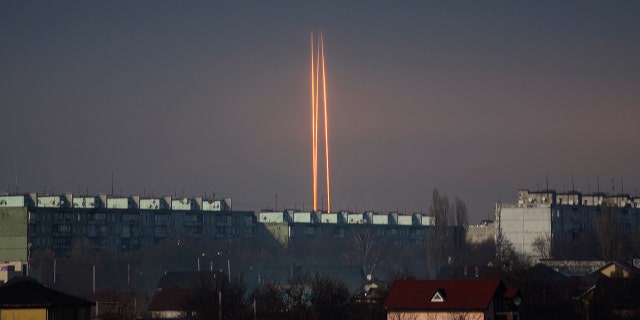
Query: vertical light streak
(313, 132)
(317, 110)
(326, 125)
(318, 66)
(317, 116)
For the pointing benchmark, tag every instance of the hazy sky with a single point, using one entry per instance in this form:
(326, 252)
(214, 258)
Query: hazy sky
(475, 98)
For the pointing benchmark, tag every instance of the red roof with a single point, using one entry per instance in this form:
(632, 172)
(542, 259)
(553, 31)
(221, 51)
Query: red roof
(511, 293)
(455, 294)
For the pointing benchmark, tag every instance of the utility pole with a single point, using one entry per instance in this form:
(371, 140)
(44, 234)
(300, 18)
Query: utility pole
(94, 278)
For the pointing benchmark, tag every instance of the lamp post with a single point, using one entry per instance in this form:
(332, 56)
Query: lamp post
(199, 262)
(228, 265)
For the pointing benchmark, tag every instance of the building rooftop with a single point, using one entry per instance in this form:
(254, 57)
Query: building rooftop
(24, 292)
(442, 294)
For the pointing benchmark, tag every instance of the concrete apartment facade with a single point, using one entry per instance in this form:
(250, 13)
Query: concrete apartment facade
(559, 217)
(128, 224)
(118, 224)
(396, 228)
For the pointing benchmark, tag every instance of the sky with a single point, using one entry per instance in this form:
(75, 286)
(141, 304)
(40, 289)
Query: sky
(189, 98)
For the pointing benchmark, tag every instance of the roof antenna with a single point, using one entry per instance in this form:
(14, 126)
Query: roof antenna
(547, 177)
(573, 187)
(15, 169)
(54, 175)
(613, 186)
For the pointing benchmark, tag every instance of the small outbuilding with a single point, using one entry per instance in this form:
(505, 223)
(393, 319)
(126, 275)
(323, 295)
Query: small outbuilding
(25, 298)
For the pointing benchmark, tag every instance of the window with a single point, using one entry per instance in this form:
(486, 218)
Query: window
(438, 296)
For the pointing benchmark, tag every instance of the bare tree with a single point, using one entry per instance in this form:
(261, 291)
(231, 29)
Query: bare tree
(462, 219)
(542, 246)
(268, 300)
(460, 231)
(118, 305)
(298, 296)
(201, 300)
(437, 240)
(607, 231)
(329, 298)
(366, 249)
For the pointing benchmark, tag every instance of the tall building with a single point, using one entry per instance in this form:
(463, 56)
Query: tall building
(560, 218)
(118, 224)
(13, 229)
(395, 228)
(128, 224)
(131, 224)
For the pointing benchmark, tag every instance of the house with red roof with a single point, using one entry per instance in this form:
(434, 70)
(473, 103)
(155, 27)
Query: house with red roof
(452, 299)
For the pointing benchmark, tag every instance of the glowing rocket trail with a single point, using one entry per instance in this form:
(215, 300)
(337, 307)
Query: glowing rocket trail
(313, 132)
(317, 58)
(317, 111)
(326, 126)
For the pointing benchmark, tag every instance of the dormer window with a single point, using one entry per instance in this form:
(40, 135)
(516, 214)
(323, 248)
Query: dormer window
(438, 296)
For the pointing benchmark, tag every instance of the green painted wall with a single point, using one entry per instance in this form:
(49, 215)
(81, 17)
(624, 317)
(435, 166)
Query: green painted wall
(13, 234)
(278, 231)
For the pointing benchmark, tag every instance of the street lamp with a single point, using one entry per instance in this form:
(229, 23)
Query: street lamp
(228, 265)
(199, 261)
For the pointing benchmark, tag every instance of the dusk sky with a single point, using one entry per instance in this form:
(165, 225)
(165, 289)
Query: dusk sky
(475, 98)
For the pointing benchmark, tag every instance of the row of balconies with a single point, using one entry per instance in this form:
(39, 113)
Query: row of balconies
(344, 217)
(528, 198)
(111, 202)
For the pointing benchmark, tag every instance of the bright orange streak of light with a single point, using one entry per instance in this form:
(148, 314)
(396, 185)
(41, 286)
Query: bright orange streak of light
(314, 150)
(317, 111)
(317, 58)
(326, 126)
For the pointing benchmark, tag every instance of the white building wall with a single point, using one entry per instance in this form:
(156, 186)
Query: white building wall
(355, 218)
(405, 220)
(85, 202)
(49, 202)
(329, 218)
(302, 217)
(380, 219)
(182, 204)
(211, 205)
(12, 201)
(271, 217)
(521, 226)
(150, 204)
(428, 220)
(118, 203)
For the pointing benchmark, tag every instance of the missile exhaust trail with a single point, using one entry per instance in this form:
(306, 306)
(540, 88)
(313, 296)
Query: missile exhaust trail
(317, 58)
